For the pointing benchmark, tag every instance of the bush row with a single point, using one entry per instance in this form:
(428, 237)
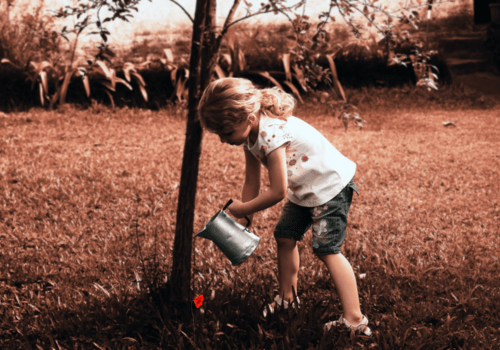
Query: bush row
(19, 93)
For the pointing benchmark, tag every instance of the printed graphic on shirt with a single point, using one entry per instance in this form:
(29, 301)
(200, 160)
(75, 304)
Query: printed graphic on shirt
(294, 167)
(274, 136)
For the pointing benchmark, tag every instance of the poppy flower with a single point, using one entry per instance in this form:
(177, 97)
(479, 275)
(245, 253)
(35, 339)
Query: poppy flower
(305, 158)
(198, 301)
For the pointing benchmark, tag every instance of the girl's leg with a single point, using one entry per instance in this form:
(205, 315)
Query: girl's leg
(288, 266)
(345, 283)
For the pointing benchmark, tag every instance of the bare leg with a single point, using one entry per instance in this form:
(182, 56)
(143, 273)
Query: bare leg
(288, 266)
(345, 283)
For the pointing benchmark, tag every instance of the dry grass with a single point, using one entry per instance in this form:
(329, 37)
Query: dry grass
(80, 190)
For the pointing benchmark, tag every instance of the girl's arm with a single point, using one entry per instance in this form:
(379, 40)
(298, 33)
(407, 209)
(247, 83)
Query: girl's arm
(276, 163)
(251, 187)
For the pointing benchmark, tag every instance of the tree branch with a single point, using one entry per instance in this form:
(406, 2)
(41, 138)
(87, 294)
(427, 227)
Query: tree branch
(353, 28)
(183, 9)
(230, 16)
(424, 5)
(255, 14)
(369, 20)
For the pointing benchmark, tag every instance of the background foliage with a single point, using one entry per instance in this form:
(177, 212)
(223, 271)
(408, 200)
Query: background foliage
(360, 63)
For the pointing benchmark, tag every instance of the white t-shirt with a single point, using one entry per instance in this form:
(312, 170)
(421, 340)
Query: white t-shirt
(316, 170)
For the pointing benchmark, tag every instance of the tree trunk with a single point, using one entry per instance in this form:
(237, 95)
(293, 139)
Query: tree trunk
(201, 51)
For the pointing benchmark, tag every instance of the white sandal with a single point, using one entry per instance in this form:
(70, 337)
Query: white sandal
(280, 302)
(361, 327)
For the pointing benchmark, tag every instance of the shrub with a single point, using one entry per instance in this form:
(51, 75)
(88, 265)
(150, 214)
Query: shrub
(26, 34)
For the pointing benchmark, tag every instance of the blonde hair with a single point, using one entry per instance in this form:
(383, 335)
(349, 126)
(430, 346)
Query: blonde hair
(228, 102)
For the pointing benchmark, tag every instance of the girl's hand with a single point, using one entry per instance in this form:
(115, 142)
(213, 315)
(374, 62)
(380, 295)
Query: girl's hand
(237, 209)
(244, 222)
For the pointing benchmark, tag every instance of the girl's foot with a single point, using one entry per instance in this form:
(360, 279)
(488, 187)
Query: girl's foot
(280, 302)
(361, 327)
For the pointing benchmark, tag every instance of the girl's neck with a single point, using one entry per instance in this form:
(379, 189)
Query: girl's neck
(254, 132)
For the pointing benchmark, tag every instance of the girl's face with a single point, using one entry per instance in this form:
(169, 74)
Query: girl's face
(238, 136)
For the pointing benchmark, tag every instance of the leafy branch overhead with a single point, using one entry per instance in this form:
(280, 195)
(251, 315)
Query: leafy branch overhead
(88, 14)
(394, 27)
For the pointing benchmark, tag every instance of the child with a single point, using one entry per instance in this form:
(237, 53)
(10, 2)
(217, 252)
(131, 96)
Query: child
(303, 166)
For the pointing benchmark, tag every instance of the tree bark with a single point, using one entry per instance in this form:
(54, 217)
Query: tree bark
(201, 52)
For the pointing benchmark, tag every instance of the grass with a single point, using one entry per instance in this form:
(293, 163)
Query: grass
(87, 215)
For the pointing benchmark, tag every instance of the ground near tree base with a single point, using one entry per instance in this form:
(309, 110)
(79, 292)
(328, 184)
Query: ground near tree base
(87, 215)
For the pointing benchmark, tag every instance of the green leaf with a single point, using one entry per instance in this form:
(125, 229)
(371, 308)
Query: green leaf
(271, 79)
(127, 68)
(228, 59)
(299, 75)
(121, 81)
(40, 88)
(294, 90)
(104, 69)
(110, 97)
(220, 73)
(139, 78)
(64, 87)
(113, 77)
(106, 84)
(5, 60)
(85, 79)
(169, 55)
(336, 83)
(286, 64)
(173, 75)
(54, 100)
(43, 81)
(241, 60)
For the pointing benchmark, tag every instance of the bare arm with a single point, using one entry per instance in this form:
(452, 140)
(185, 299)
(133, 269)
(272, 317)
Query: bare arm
(278, 180)
(252, 179)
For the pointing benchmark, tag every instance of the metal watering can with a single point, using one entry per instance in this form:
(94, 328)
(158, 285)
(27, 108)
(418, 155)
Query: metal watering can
(233, 239)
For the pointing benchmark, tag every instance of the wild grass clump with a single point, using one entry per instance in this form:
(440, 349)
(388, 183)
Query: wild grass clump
(87, 217)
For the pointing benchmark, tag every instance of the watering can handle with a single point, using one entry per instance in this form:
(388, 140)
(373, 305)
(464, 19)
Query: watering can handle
(229, 202)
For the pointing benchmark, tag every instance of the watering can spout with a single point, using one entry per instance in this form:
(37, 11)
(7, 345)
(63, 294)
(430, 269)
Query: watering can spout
(203, 233)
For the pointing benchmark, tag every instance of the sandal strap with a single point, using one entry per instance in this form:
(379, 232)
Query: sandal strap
(362, 326)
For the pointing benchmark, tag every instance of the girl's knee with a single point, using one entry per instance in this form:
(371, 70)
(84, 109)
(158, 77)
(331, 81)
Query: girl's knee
(286, 242)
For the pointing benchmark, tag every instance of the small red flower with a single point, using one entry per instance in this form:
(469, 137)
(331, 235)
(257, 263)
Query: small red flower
(268, 140)
(274, 135)
(198, 301)
(305, 158)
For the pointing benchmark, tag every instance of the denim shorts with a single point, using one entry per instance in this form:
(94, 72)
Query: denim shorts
(328, 221)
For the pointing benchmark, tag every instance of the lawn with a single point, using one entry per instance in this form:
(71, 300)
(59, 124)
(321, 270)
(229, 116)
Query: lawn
(87, 215)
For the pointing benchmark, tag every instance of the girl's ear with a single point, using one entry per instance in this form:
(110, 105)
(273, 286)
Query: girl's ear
(251, 119)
